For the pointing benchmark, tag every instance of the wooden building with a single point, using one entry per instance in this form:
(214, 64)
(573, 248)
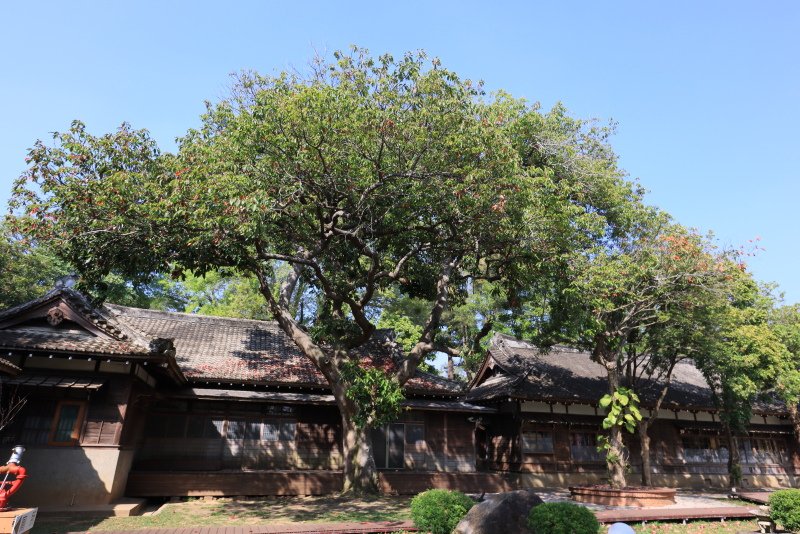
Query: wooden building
(141, 403)
(131, 402)
(549, 419)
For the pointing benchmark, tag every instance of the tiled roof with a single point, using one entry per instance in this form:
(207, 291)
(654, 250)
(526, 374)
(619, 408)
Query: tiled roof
(219, 349)
(65, 342)
(567, 374)
(115, 337)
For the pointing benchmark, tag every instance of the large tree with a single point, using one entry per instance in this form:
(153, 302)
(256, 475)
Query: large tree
(365, 176)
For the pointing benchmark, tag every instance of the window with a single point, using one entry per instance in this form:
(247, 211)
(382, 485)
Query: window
(388, 443)
(703, 449)
(257, 430)
(66, 427)
(200, 426)
(583, 447)
(537, 442)
(36, 423)
(761, 451)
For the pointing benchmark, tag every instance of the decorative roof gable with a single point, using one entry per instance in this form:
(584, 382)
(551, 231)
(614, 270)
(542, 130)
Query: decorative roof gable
(64, 320)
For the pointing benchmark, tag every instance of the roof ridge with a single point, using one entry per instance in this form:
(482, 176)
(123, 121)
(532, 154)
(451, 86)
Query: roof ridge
(133, 311)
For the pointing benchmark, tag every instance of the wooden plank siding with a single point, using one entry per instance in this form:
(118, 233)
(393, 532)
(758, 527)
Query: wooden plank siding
(695, 453)
(105, 416)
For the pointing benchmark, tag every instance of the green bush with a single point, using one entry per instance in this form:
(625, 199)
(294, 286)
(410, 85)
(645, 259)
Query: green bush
(784, 508)
(438, 511)
(562, 518)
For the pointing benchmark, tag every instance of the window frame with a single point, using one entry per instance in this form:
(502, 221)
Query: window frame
(77, 427)
(383, 463)
(593, 456)
(540, 433)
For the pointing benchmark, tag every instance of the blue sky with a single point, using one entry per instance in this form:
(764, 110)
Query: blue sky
(706, 94)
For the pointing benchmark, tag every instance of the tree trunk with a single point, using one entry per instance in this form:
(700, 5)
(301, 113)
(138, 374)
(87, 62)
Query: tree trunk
(647, 475)
(794, 417)
(451, 371)
(360, 474)
(616, 455)
(734, 464)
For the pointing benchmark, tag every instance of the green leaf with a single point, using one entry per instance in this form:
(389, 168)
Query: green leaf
(630, 427)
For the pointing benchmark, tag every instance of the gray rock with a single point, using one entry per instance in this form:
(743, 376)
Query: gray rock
(504, 512)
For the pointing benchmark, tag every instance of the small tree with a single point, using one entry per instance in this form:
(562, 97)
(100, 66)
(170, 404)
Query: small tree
(623, 412)
(744, 359)
(645, 276)
(785, 323)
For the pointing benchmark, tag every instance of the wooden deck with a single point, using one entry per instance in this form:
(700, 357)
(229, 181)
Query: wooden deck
(676, 514)
(760, 497)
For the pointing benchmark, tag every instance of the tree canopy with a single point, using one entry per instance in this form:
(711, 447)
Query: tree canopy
(364, 177)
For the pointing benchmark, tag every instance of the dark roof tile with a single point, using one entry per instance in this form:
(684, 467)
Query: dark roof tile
(220, 349)
(568, 374)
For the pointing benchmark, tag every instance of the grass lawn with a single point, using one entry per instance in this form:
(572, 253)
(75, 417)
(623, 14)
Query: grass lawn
(232, 512)
(698, 527)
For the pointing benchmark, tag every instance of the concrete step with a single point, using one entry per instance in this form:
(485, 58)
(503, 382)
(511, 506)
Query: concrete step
(121, 508)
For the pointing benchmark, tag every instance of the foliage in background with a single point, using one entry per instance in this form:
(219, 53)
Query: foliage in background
(28, 271)
(438, 511)
(377, 393)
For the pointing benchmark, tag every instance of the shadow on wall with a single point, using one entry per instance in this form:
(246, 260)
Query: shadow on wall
(72, 476)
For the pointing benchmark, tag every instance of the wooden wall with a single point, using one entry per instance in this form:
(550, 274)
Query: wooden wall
(764, 452)
(106, 414)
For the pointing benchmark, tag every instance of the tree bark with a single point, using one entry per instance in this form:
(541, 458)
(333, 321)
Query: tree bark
(644, 427)
(734, 462)
(794, 417)
(644, 439)
(360, 474)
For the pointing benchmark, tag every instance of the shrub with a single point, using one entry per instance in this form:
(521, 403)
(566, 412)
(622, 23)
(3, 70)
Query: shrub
(438, 511)
(562, 518)
(784, 508)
